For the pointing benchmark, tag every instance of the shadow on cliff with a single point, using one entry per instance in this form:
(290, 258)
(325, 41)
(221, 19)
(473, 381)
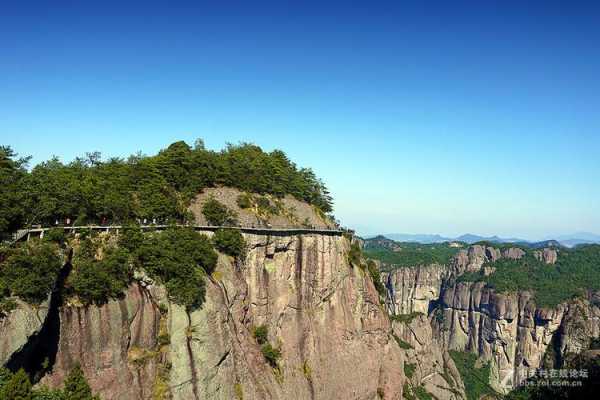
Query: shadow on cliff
(38, 355)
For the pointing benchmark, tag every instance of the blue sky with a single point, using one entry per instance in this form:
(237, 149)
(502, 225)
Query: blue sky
(445, 117)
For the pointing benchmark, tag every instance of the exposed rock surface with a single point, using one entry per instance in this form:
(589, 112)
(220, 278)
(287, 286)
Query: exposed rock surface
(433, 367)
(18, 326)
(549, 256)
(322, 313)
(508, 330)
(292, 213)
(116, 345)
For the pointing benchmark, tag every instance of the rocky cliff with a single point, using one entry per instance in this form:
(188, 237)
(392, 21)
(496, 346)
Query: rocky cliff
(321, 312)
(507, 330)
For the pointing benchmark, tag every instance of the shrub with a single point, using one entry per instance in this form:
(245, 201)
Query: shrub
(406, 318)
(30, 272)
(17, 387)
(261, 334)
(55, 235)
(97, 281)
(244, 201)
(230, 241)
(6, 306)
(180, 258)
(376, 278)
(409, 370)
(403, 345)
(218, 214)
(131, 237)
(355, 255)
(271, 354)
(76, 386)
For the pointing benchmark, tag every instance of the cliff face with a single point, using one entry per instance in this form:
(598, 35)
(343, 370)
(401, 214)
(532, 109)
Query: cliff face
(508, 330)
(18, 326)
(323, 314)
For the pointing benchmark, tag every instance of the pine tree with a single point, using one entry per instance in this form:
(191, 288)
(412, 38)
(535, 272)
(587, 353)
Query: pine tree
(17, 388)
(76, 386)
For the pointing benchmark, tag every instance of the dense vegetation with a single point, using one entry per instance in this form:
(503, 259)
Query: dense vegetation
(28, 271)
(180, 258)
(410, 254)
(17, 386)
(476, 379)
(218, 214)
(575, 271)
(90, 189)
(230, 241)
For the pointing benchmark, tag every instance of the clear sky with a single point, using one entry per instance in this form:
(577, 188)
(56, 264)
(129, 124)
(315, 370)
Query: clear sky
(445, 117)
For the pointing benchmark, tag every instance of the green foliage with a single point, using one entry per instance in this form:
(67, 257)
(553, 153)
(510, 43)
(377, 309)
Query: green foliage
(575, 271)
(6, 306)
(410, 254)
(403, 345)
(376, 278)
(261, 334)
(422, 394)
(17, 387)
(476, 380)
(131, 237)
(44, 393)
(409, 369)
(13, 192)
(406, 318)
(244, 200)
(230, 241)
(218, 214)
(90, 189)
(271, 354)
(180, 258)
(355, 254)
(55, 235)
(76, 386)
(29, 271)
(96, 281)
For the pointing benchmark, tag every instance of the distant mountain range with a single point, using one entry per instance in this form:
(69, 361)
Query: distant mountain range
(561, 240)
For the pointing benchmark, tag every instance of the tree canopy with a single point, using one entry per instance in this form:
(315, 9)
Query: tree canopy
(90, 189)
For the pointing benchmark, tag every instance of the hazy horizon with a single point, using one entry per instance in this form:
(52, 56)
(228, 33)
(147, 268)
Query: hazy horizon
(458, 118)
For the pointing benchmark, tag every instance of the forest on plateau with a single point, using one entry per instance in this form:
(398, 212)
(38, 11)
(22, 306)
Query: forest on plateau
(92, 190)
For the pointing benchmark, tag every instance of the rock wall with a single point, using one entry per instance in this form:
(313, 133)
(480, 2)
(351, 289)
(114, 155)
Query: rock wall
(508, 330)
(18, 326)
(322, 313)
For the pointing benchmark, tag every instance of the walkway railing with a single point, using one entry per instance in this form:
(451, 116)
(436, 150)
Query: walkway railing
(39, 232)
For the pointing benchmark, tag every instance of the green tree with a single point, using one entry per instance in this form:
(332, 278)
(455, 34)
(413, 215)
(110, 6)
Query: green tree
(180, 258)
(77, 387)
(30, 271)
(218, 214)
(18, 387)
(13, 191)
(97, 281)
(230, 241)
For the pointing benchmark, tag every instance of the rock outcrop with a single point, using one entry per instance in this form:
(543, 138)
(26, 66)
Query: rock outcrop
(18, 326)
(322, 313)
(507, 330)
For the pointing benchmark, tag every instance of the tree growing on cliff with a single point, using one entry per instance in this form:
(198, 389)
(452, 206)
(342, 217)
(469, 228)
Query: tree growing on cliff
(17, 387)
(218, 214)
(230, 241)
(77, 387)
